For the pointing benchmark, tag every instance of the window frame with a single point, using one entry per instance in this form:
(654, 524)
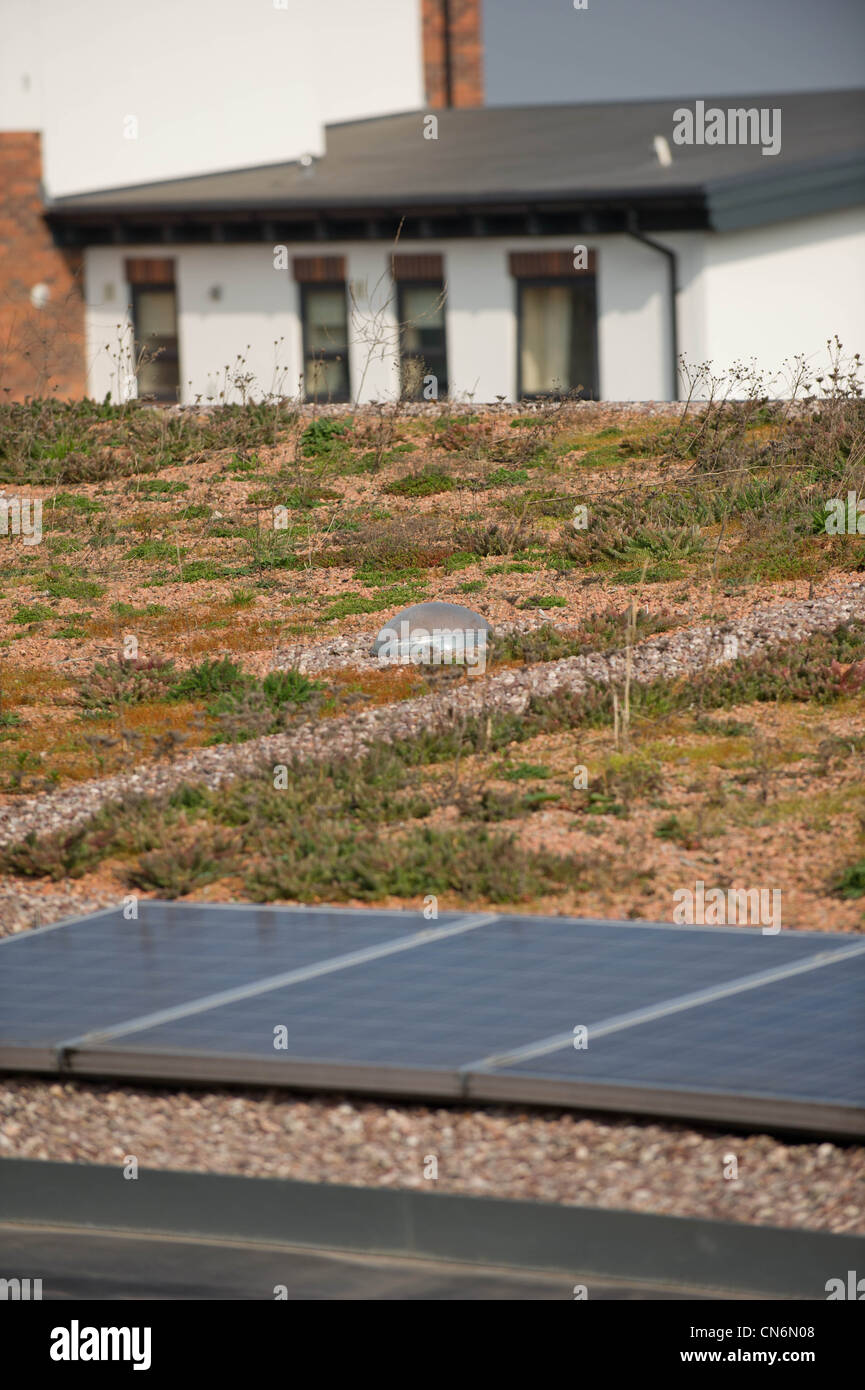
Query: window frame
(555, 282)
(324, 355)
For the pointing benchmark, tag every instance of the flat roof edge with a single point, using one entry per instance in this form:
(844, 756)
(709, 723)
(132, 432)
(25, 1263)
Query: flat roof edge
(694, 1252)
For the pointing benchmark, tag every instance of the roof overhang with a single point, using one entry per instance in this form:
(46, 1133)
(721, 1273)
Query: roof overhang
(737, 204)
(683, 210)
(578, 170)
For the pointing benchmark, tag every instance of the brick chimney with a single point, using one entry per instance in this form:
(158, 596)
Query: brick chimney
(453, 52)
(41, 302)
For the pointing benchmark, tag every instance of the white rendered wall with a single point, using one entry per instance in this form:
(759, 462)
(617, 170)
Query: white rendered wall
(253, 328)
(20, 66)
(633, 321)
(257, 316)
(481, 319)
(210, 84)
(690, 248)
(776, 291)
(633, 314)
(634, 351)
(788, 290)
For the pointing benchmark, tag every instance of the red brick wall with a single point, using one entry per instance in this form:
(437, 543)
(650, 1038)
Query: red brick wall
(461, 19)
(41, 350)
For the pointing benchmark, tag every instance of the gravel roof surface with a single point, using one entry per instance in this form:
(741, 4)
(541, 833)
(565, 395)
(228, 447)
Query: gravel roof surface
(546, 1156)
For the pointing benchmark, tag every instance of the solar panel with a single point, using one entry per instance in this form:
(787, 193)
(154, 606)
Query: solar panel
(462, 997)
(77, 978)
(792, 1053)
(707, 1022)
(809, 1025)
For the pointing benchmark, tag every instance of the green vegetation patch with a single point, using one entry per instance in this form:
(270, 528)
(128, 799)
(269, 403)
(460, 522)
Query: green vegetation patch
(33, 613)
(423, 484)
(318, 832)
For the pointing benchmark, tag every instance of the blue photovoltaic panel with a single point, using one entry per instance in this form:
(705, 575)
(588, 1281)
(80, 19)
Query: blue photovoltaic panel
(496, 988)
(801, 1037)
(710, 1023)
(92, 974)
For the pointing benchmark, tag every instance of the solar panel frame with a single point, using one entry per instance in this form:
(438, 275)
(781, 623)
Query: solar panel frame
(755, 1111)
(292, 1073)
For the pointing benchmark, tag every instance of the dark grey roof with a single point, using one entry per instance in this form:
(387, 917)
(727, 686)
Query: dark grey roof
(540, 155)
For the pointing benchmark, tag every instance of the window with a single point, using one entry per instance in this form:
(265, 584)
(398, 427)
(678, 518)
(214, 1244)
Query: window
(325, 342)
(154, 319)
(557, 326)
(422, 351)
(324, 314)
(421, 313)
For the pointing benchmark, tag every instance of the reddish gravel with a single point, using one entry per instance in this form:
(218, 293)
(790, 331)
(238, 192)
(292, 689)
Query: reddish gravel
(546, 1156)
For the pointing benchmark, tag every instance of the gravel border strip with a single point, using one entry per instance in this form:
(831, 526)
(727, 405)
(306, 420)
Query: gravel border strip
(450, 409)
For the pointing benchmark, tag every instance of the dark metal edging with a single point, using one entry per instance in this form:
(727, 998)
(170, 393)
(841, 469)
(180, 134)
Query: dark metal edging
(708, 1256)
(228, 1069)
(765, 1113)
(807, 1117)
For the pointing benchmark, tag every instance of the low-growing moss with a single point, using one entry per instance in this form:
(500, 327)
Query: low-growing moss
(518, 772)
(76, 502)
(322, 435)
(544, 601)
(33, 613)
(424, 484)
(63, 583)
(397, 597)
(153, 550)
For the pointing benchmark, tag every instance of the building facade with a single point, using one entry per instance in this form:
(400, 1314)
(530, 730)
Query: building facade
(754, 293)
